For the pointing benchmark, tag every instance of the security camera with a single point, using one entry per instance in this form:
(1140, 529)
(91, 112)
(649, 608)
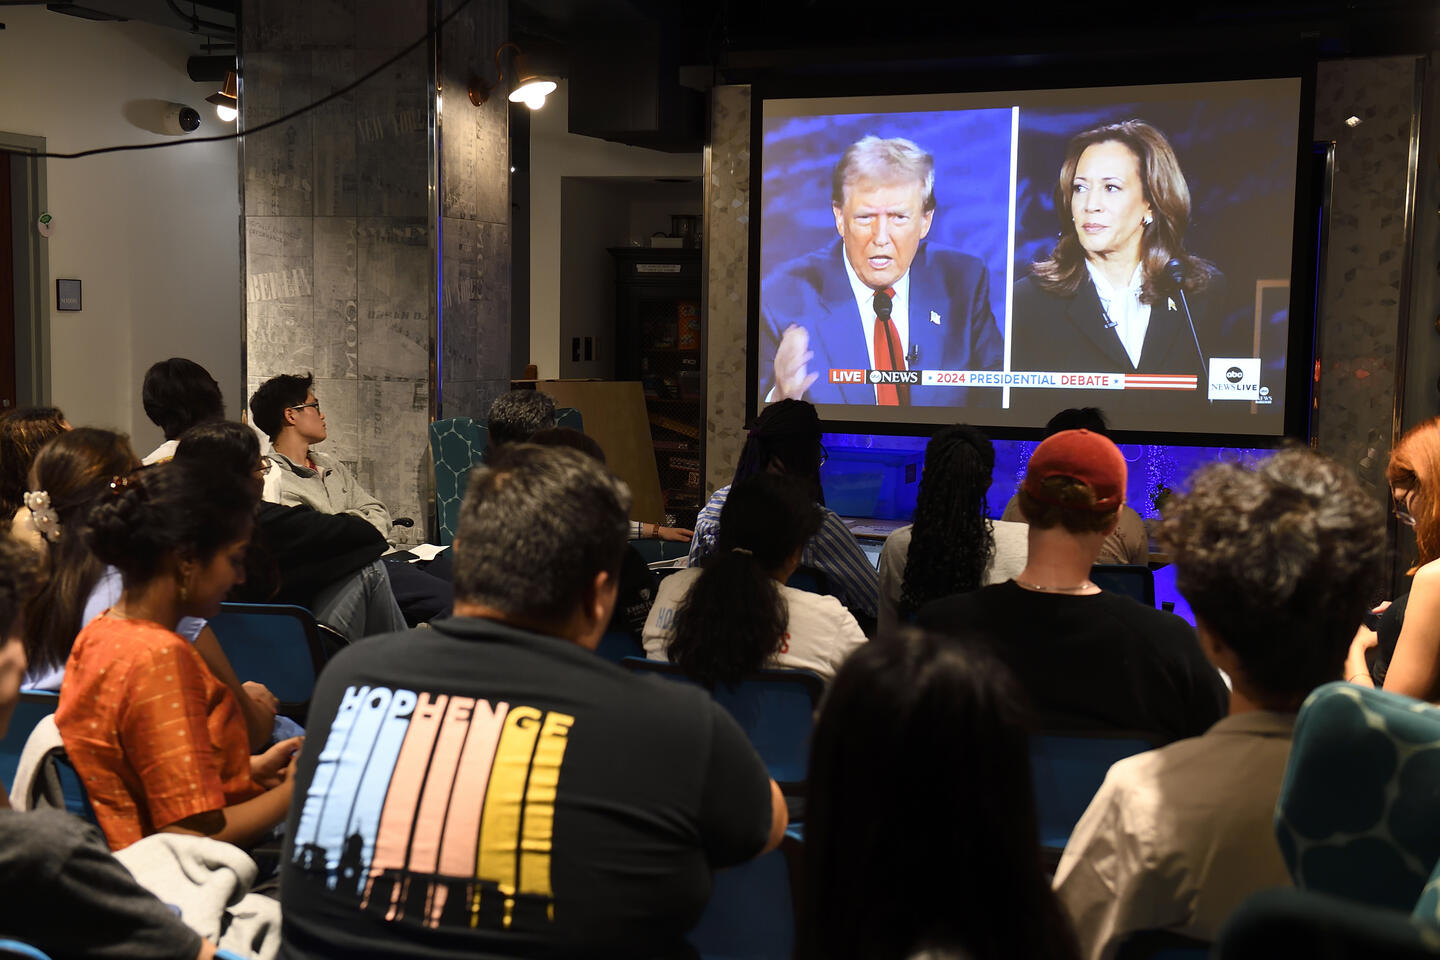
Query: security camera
(180, 119)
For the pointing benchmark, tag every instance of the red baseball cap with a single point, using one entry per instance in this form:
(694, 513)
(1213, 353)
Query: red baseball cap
(1085, 456)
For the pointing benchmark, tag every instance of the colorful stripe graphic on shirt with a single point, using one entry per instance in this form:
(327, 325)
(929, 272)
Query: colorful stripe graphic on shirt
(436, 809)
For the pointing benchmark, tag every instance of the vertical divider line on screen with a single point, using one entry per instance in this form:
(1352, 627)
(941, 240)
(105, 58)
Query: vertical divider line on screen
(1010, 248)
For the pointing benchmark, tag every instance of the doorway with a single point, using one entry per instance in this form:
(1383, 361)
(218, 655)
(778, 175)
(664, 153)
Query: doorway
(24, 275)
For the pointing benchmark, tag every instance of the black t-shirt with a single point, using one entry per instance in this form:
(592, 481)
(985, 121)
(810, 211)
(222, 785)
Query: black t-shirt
(64, 893)
(1392, 621)
(635, 596)
(473, 790)
(1092, 662)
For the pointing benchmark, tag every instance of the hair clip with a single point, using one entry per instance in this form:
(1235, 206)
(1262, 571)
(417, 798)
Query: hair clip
(119, 485)
(748, 553)
(43, 518)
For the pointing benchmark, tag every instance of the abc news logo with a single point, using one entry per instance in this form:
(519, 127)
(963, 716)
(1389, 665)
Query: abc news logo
(875, 376)
(1234, 378)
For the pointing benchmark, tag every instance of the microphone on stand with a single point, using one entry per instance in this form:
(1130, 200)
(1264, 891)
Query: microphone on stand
(1175, 271)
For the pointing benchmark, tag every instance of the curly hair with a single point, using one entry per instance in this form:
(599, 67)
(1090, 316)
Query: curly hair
(514, 416)
(733, 618)
(19, 567)
(1415, 466)
(1164, 188)
(1280, 561)
(74, 468)
(974, 887)
(952, 540)
(786, 433)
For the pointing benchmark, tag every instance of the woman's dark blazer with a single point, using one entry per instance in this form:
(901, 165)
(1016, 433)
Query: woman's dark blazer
(1068, 334)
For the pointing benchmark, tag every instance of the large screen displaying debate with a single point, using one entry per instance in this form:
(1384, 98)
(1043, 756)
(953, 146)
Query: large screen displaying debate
(996, 257)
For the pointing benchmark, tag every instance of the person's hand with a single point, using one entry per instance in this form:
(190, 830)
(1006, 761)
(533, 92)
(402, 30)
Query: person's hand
(674, 534)
(1355, 665)
(792, 377)
(262, 696)
(274, 766)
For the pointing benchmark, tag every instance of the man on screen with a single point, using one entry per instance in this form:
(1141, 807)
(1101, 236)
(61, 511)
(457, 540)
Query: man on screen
(880, 298)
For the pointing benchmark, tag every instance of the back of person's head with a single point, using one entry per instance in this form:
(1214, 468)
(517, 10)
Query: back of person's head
(536, 527)
(733, 618)
(1075, 480)
(169, 511)
(70, 474)
(18, 565)
(223, 445)
(1415, 467)
(1078, 418)
(951, 540)
(273, 397)
(569, 437)
(920, 820)
(784, 438)
(178, 394)
(514, 416)
(22, 433)
(1280, 561)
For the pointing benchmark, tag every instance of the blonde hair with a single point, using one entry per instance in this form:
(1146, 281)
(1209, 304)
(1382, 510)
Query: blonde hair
(886, 161)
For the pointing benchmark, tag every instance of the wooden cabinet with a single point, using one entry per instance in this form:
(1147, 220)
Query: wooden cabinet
(657, 342)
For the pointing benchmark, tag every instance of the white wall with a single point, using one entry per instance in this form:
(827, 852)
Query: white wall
(555, 153)
(153, 236)
(594, 217)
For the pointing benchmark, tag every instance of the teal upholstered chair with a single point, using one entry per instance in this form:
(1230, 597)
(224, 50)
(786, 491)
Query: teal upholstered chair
(1359, 810)
(456, 445)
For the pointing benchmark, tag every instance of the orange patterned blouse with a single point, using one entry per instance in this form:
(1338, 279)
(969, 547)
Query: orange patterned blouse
(155, 737)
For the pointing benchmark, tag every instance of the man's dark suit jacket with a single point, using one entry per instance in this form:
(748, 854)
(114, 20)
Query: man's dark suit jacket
(951, 324)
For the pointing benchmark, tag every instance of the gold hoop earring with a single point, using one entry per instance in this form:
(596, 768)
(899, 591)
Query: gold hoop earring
(184, 584)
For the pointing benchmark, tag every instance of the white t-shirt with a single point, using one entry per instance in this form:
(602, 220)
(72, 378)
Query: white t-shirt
(820, 635)
(1012, 545)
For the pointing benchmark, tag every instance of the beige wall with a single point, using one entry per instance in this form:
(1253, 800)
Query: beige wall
(153, 236)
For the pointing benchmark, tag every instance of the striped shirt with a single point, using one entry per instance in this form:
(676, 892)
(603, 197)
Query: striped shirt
(833, 551)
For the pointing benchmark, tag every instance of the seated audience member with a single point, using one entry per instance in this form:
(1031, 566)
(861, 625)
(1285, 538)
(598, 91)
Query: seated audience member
(516, 417)
(328, 563)
(952, 546)
(786, 439)
(22, 433)
(63, 891)
(637, 583)
(285, 409)
(161, 744)
(1088, 659)
(590, 805)
(735, 615)
(1128, 542)
(70, 475)
(920, 838)
(1407, 649)
(178, 394)
(1278, 563)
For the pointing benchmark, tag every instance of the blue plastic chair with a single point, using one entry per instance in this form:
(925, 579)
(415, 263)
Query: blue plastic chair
(810, 580)
(275, 644)
(775, 708)
(32, 706)
(618, 645)
(1161, 945)
(73, 798)
(751, 913)
(1134, 580)
(14, 948)
(1067, 769)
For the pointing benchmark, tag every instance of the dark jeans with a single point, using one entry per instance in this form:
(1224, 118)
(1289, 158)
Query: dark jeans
(422, 595)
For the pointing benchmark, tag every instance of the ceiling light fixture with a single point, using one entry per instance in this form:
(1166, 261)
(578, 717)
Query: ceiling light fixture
(226, 100)
(530, 88)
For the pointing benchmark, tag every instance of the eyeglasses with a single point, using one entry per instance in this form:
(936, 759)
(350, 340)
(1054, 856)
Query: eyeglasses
(824, 454)
(1402, 507)
(302, 406)
(264, 465)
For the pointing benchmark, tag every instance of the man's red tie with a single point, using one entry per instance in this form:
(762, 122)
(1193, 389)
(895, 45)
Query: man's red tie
(889, 354)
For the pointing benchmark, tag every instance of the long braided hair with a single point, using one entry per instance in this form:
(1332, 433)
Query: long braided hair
(788, 433)
(952, 541)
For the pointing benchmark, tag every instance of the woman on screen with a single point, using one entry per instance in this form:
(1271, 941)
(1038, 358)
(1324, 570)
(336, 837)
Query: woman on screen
(1107, 300)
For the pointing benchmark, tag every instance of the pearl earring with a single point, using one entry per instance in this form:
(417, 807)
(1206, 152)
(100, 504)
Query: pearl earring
(1148, 220)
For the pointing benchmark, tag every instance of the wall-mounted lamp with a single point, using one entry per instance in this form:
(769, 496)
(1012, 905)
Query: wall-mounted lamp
(530, 88)
(226, 100)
